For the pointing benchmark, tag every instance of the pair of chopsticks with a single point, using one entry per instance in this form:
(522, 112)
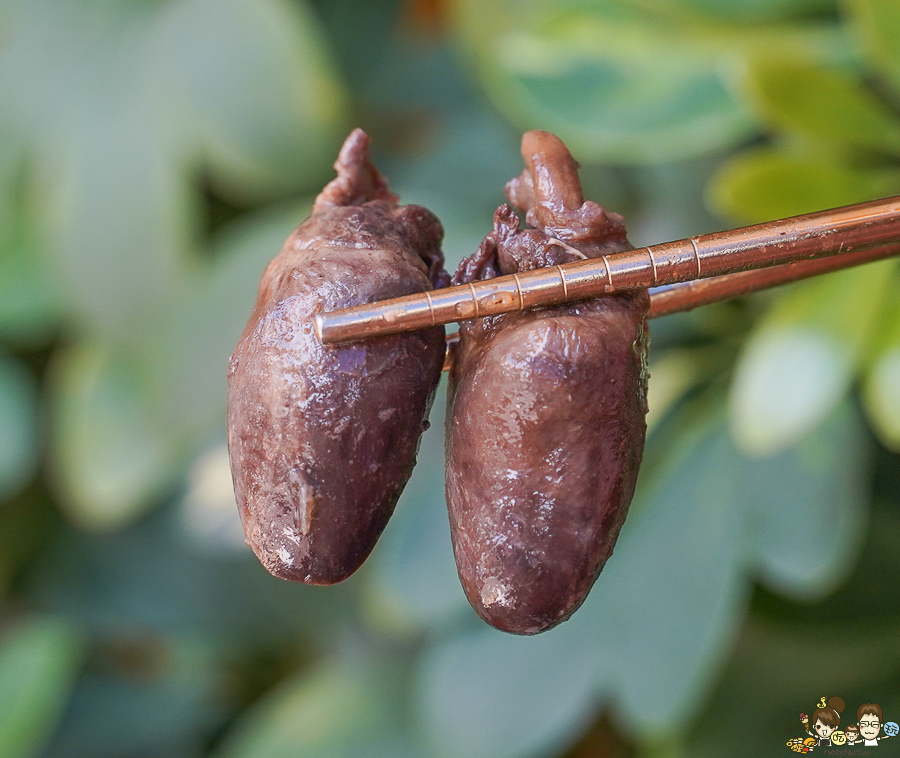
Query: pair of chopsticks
(686, 274)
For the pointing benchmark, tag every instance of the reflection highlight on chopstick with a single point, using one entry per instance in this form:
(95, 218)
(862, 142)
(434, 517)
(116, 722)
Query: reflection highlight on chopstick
(809, 237)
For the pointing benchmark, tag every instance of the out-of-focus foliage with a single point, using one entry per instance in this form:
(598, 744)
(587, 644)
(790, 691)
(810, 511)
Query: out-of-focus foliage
(803, 354)
(39, 660)
(634, 81)
(837, 140)
(155, 155)
(18, 425)
(352, 708)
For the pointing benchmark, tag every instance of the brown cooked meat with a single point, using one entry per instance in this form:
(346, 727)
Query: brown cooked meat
(545, 426)
(323, 439)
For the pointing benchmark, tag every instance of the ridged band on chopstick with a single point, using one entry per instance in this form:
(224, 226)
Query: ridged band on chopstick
(813, 235)
(685, 296)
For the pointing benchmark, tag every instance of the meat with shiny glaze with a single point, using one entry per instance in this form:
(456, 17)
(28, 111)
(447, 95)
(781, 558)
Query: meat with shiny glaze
(545, 426)
(323, 439)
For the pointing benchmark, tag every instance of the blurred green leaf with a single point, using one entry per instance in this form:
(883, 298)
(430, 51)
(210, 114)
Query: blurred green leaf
(671, 200)
(123, 233)
(112, 195)
(121, 104)
(359, 35)
(209, 508)
(127, 415)
(619, 83)
(881, 390)
(110, 459)
(866, 600)
(796, 95)
(672, 375)
(39, 661)
(613, 86)
(806, 508)
(882, 396)
(344, 709)
(18, 425)
(486, 694)
(765, 184)
(155, 580)
(188, 349)
(800, 360)
(877, 22)
(258, 80)
(27, 523)
(143, 695)
(787, 381)
(758, 10)
(672, 595)
(30, 303)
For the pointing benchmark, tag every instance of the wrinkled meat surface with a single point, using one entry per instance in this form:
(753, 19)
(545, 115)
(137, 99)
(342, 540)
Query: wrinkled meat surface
(545, 426)
(322, 439)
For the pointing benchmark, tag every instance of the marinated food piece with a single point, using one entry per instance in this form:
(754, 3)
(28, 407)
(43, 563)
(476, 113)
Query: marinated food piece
(322, 439)
(545, 429)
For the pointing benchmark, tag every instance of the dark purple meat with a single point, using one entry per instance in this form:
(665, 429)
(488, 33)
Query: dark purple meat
(323, 438)
(545, 429)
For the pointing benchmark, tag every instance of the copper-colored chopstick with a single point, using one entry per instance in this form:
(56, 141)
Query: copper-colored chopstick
(686, 296)
(810, 236)
(676, 298)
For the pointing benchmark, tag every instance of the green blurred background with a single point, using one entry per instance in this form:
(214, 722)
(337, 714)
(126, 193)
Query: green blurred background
(154, 154)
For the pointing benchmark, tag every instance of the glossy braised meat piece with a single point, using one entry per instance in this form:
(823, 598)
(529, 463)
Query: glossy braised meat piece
(323, 438)
(545, 429)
